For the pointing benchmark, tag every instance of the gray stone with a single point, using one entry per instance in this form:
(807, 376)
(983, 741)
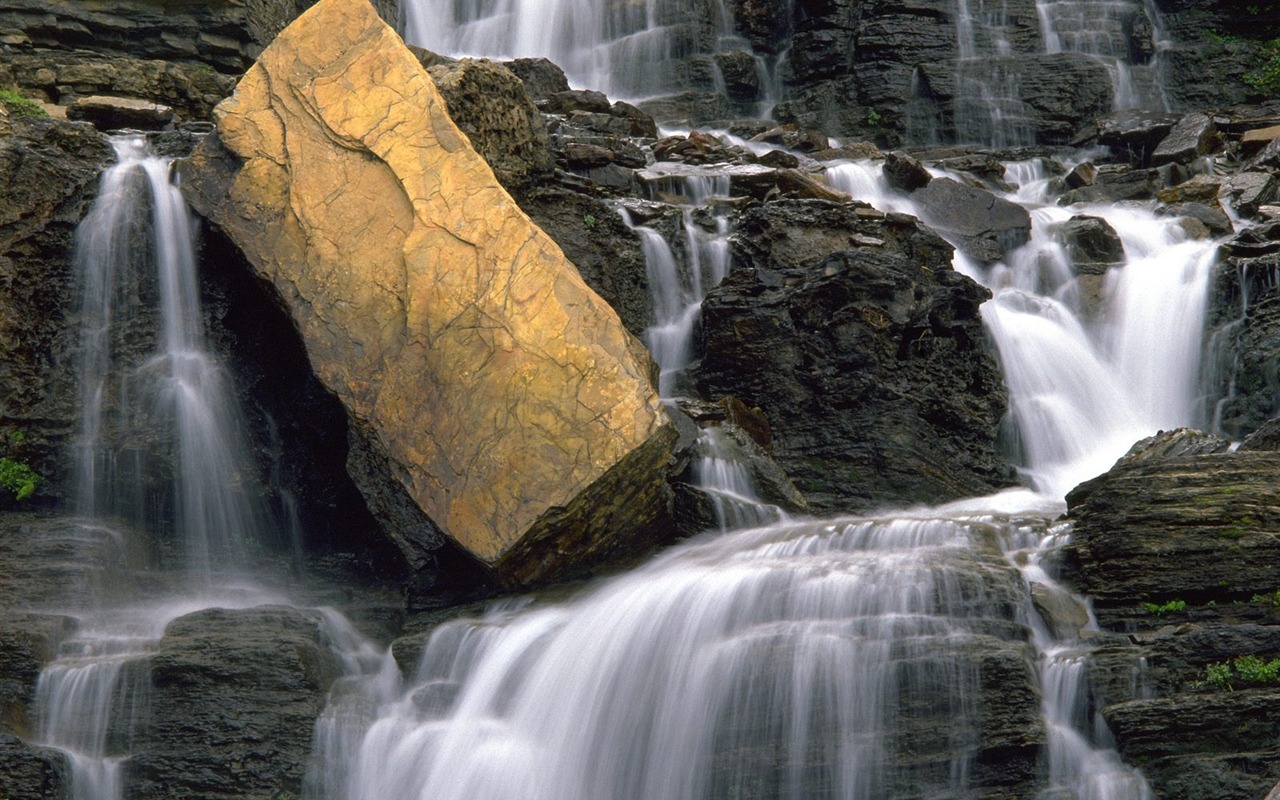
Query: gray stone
(1194, 136)
(1091, 242)
(1249, 190)
(979, 223)
(904, 173)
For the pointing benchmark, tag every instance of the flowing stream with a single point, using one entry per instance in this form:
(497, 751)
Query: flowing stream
(847, 658)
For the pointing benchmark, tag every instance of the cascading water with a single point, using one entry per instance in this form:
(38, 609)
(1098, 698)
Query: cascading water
(137, 271)
(158, 419)
(1105, 29)
(840, 658)
(628, 50)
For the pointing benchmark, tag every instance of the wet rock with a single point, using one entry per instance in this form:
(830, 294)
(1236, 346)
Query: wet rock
(687, 108)
(606, 252)
(32, 773)
(1252, 141)
(1249, 190)
(573, 462)
(28, 641)
(567, 102)
(1117, 183)
(836, 324)
(779, 159)
(488, 102)
(234, 696)
(1133, 134)
(1194, 136)
(1064, 615)
(1202, 745)
(694, 148)
(904, 173)
(1080, 176)
(1267, 158)
(1178, 518)
(541, 78)
(1244, 319)
(793, 138)
(1200, 189)
(986, 169)
(1210, 215)
(1091, 242)
(741, 75)
(48, 179)
(114, 113)
(982, 225)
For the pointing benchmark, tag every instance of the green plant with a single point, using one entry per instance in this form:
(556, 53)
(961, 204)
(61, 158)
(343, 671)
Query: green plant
(1270, 599)
(590, 221)
(1170, 607)
(18, 478)
(20, 105)
(1246, 671)
(1265, 77)
(874, 118)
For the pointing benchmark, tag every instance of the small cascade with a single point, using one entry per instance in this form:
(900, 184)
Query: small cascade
(159, 421)
(677, 285)
(720, 472)
(167, 414)
(988, 104)
(1082, 760)
(627, 50)
(1111, 31)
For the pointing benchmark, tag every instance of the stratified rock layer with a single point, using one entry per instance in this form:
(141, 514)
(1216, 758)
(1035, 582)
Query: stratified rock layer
(486, 383)
(864, 348)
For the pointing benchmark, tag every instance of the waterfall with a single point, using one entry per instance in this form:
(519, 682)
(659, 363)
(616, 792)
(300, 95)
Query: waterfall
(167, 414)
(627, 50)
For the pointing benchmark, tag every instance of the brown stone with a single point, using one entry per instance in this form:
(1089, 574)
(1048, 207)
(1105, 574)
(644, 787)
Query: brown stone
(481, 376)
(1258, 138)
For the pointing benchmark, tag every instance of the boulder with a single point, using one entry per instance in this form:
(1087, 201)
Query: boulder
(1249, 190)
(1134, 134)
(854, 336)
(493, 398)
(234, 699)
(1091, 242)
(1080, 176)
(114, 113)
(488, 102)
(1252, 141)
(975, 220)
(1194, 136)
(741, 75)
(541, 78)
(904, 173)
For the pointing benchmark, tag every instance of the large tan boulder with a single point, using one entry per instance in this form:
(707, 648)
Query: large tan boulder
(498, 396)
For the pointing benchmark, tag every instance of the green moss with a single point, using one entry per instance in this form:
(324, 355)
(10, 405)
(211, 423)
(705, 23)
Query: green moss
(20, 105)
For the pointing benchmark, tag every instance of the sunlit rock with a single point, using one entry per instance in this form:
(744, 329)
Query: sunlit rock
(493, 397)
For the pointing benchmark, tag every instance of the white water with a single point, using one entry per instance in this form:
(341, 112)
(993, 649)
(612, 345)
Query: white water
(627, 50)
(802, 659)
(138, 278)
(988, 108)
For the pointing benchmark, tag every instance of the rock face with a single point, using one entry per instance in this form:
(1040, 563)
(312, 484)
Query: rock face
(864, 349)
(500, 399)
(234, 697)
(1176, 547)
(48, 179)
(1245, 313)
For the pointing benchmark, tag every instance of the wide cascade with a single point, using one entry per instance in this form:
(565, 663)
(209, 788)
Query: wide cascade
(854, 658)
